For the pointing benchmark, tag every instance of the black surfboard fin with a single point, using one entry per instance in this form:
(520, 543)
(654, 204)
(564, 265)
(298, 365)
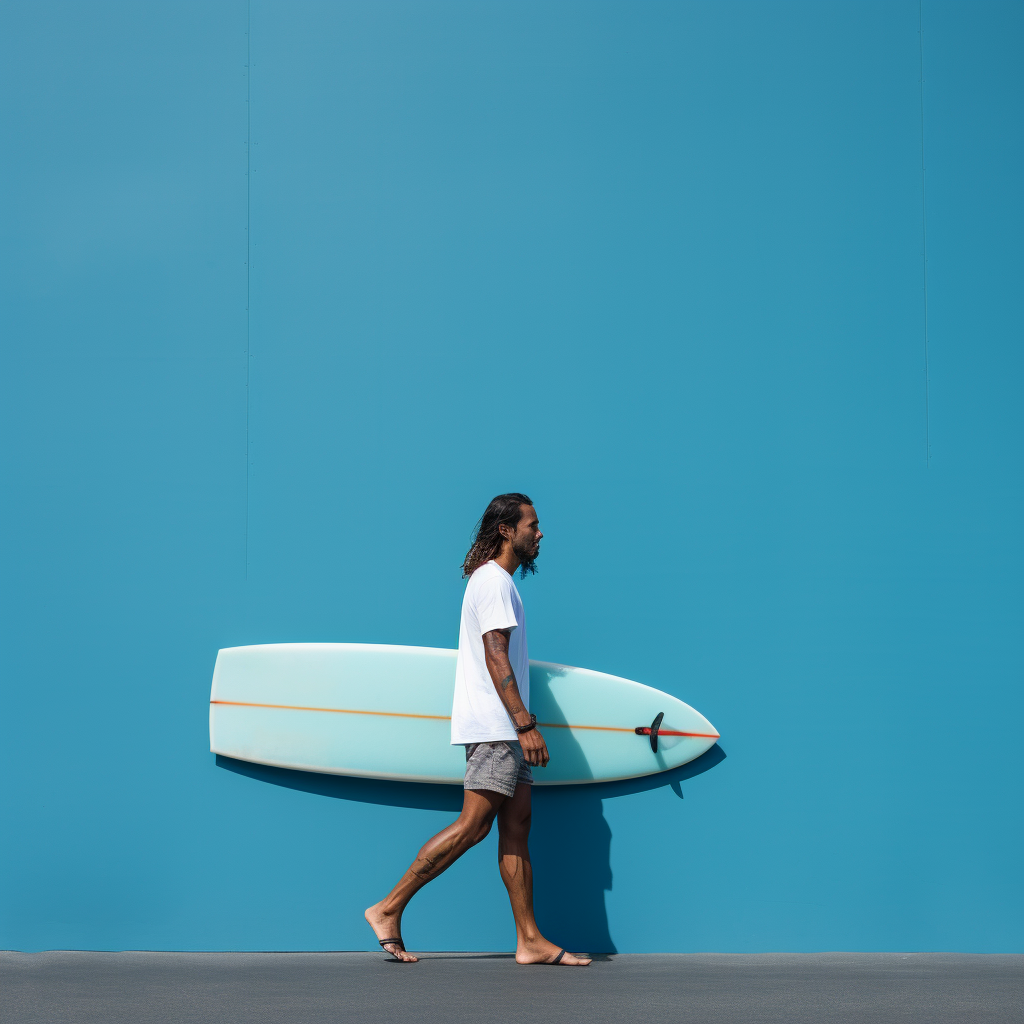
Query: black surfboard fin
(652, 731)
(655, 726)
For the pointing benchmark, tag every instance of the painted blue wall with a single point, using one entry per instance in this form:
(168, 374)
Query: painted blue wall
(660, 266)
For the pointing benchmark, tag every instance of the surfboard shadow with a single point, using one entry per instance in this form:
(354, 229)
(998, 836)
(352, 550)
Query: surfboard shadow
(421, 795)
(671, 778)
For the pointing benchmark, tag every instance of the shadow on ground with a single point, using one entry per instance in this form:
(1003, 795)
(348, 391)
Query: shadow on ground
(570, 843)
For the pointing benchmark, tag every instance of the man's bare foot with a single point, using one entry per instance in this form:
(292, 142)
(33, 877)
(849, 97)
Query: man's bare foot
(543, 952)
(388, 926)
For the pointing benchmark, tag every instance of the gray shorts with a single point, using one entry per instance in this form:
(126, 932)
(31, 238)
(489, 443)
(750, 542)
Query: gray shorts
(498, 766)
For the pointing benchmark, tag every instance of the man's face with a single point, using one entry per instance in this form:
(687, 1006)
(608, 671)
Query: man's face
(526, 541)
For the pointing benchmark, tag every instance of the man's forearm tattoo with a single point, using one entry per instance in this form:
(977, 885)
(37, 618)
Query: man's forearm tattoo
(496, 642)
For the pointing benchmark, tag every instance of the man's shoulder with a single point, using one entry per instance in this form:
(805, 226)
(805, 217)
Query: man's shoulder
(488, 579)
(486, 573)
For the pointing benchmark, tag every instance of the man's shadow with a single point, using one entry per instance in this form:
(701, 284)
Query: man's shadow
(570, 841)
(570, 846)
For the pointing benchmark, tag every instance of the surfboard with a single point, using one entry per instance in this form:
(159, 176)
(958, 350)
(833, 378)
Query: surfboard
(383, 712)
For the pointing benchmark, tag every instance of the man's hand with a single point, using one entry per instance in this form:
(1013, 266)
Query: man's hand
(535, 750)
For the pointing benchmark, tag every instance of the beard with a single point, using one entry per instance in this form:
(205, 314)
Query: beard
(527, 554)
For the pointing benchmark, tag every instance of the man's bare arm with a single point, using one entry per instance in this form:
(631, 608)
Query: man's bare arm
(504, 679)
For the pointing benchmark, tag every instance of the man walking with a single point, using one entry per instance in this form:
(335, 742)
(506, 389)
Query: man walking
(491, 718)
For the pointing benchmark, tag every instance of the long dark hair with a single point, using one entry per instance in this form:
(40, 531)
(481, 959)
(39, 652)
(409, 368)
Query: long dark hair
(504, 510)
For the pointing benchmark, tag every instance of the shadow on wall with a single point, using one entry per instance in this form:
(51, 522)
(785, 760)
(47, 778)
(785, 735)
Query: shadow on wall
(570, 843)
(570, 846)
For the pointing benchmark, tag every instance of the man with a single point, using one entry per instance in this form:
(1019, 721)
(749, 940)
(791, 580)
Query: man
(491, 718)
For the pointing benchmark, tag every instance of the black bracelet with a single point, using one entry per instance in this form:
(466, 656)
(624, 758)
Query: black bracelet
(526, 728)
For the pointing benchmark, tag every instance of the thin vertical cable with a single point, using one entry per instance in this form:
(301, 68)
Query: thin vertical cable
(248, 253)
(924, 239)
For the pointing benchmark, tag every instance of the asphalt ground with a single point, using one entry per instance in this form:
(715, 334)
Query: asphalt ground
(310, 988)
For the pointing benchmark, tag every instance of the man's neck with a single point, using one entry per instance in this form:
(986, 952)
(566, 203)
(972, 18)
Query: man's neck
(507, 560)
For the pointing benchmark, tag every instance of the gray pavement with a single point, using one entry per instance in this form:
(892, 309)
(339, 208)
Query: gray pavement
(309, 988)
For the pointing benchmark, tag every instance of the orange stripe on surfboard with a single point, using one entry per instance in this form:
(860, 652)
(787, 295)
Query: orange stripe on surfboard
(337, 711)
(447, 718)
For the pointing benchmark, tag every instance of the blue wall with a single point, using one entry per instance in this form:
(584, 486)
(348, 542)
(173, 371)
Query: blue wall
(660, 266)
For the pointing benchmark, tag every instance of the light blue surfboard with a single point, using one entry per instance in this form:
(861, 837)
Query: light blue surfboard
(383, 712)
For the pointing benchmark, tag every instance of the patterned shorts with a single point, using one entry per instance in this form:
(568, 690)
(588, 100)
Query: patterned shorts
(498, 766)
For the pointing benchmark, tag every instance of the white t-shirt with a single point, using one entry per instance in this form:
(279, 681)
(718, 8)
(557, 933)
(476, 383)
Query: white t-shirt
(491, 602)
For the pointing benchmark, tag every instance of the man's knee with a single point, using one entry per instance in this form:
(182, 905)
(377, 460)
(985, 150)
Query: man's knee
(515, 826)
(476, 831)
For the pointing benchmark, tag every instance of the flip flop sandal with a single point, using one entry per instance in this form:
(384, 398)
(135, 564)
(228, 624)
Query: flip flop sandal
(400, 944)
(551, 963)
(558, 959)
